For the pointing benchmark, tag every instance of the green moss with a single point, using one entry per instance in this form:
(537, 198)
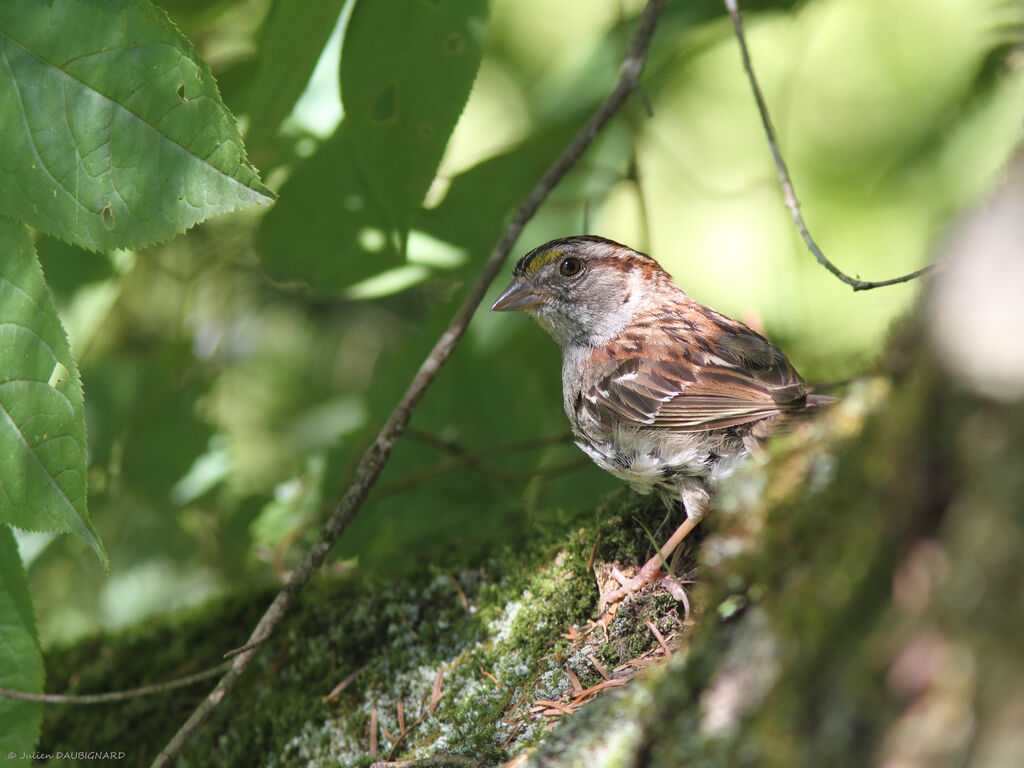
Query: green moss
(183, 644)
(495, 657)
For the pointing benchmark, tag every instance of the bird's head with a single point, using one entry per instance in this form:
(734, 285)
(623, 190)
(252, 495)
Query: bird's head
(583, 290)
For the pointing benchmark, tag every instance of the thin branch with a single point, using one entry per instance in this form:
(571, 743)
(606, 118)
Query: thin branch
(502, 449)
(102, 698)
(792, 203)
(375, 457)
(633, 176)
(467, 459)
(459, 456)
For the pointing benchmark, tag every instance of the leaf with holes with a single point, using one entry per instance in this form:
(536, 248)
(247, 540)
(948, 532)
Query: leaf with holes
(113, 131)
(21, 663)
(42, 421)
(407, 67)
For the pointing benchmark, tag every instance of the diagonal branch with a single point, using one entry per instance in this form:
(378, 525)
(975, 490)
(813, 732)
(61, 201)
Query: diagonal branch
(792, 203)
(105, 698)
(377, 454)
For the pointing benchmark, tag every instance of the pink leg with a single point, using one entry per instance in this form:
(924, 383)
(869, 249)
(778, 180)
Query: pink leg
(695, 501)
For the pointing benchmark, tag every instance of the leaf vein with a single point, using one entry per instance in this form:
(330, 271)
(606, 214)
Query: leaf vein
(115, 105)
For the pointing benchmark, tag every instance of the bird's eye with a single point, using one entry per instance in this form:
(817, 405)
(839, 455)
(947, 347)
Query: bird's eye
(570, 266)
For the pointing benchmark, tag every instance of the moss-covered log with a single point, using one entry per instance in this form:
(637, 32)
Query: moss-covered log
(859, 600)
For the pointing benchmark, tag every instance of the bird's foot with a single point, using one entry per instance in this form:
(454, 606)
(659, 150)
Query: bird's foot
(628, 586)
(650, 569)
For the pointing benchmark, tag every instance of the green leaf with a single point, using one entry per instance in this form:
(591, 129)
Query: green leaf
(42, 422)
(342, 238)
(407, 67)
(144, 404)
(480, 199)
(21, 663)
(292, 40)
(113, 132)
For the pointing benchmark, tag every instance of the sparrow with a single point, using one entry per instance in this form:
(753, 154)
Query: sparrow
(661, 391)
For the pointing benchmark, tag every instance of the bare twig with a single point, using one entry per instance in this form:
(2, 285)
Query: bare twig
(343, 684)
(436, 693)
(376, 456)
(519, 446)
(102, 698)
(792, 203)
(243, 649)
(467, 459)
(403, 731)
(596, 664)
(659, 637)
(462, 595)
(460, 456)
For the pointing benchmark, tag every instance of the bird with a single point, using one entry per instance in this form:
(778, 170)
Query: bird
(660, 390)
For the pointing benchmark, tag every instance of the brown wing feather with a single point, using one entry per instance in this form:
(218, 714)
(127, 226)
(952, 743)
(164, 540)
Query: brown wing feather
(720, 375)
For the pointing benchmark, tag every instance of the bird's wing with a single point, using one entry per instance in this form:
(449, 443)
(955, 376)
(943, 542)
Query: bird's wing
(712, 381)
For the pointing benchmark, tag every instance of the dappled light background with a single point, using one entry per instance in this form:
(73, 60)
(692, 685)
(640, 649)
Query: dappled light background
(233, 376)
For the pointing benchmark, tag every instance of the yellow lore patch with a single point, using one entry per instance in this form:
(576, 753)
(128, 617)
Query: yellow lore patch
(543, 259)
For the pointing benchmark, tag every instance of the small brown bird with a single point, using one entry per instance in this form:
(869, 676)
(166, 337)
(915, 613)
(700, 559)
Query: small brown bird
(661, 391)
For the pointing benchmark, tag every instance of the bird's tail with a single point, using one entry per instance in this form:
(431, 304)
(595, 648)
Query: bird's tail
(815, 401)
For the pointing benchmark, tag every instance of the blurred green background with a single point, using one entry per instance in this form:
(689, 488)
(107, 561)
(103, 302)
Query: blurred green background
(234, 375)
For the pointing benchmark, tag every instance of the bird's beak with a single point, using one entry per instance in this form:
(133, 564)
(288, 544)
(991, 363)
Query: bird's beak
(519, 295)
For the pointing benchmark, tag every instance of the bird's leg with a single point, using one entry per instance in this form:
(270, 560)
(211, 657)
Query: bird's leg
(695, 502)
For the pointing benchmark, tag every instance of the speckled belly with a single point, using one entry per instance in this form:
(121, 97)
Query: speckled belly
(658, 460)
